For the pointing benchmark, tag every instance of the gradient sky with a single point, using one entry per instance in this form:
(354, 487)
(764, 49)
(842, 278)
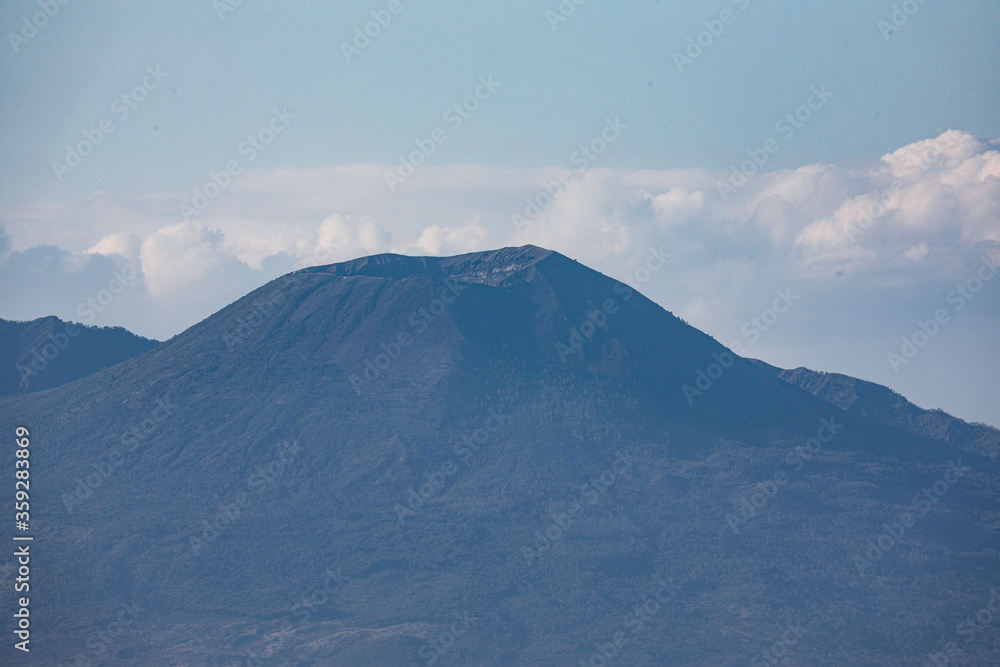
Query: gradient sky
(321, 183)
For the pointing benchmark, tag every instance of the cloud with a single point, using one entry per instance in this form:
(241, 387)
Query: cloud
(125, 245)
(925, 209)
(943, 191)
(438, 240)
(47, 280)
(121, 246)
(185, 258)
(870, 248)
(600, 209)
(345, 237)
(939, 154)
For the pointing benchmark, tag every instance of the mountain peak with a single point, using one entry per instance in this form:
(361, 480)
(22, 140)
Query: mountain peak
(489, 267)
(508, 435)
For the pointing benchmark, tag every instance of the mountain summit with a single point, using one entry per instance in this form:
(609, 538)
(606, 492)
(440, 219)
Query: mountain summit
(500, 458)
(486, 268)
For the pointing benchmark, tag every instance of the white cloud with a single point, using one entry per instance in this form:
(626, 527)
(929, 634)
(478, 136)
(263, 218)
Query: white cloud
(126, 245)
(943, 153)
(438, 240)
(345, 237)
(178, 258)
(917, 252)
(797, 222)
(945, 191)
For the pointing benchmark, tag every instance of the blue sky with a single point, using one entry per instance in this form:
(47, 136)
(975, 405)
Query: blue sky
(939, 71)
(321, 181)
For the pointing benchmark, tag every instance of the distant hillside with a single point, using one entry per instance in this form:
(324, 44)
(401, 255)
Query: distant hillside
(48, 352)
(885, 406)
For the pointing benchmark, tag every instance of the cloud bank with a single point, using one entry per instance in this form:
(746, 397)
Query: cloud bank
(869, 249)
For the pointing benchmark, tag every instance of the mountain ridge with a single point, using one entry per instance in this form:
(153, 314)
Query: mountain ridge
(886, 406)
(510, 259)
(47, 352)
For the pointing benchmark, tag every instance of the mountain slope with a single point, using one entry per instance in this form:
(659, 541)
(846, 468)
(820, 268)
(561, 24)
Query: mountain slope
(48, 352)
(885, 406)
(439, 461)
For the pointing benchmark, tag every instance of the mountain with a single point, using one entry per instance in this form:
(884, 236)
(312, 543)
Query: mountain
(885, 406)
(48, 352)
(499, 458)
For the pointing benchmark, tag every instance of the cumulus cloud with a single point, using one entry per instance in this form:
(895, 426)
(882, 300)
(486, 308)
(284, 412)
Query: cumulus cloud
(343, 237)
(944, 192)
(47, 280)
(931, 204)
(601, 209)
(438, 240)
(179, 258)
(123, 246)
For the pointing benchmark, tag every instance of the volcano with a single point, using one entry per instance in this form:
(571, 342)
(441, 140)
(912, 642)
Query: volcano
(499, 458)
